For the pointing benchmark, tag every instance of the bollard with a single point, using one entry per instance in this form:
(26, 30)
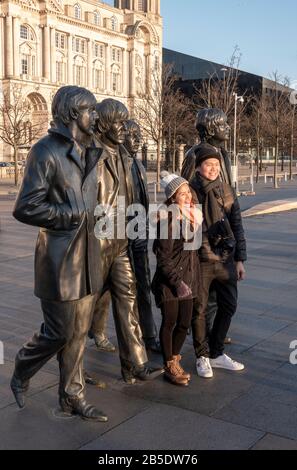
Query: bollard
(265, 178)
(286, 177)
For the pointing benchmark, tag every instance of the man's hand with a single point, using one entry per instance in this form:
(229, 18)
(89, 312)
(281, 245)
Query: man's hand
(241, 272)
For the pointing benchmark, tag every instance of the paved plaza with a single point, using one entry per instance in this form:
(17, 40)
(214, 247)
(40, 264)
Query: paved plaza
(253, 409)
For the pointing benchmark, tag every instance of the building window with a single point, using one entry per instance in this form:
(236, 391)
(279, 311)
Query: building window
(24, 33)
(98, 77)
(79, 71)
(60, 72)
(78, 45)
(25, 65)
(97, 18)
(60, 41)
(116, 80)
(79, 75)
(28, 65)
(116, 54)
(114, 23)
(142, 5)
(99, 50)
(77, 11)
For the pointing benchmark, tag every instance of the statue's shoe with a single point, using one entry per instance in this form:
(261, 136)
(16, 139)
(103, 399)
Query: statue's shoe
(19, 388)
(79, 406)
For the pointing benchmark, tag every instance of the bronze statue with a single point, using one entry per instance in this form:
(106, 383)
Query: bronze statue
(114, 171)
(139, 248)
(59, 195)
(213, 128)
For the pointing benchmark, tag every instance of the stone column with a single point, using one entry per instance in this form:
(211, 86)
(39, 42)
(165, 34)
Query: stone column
(69, 60)
(1, 46)
(16, 48)
(46, 52)
(89, 65)
(148, 71)
(53, 53)
(8, 47)
(181, 156)
(107, 68)
(124, 73)
(132, 73)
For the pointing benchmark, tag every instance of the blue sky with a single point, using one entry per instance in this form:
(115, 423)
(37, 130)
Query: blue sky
(264, 30)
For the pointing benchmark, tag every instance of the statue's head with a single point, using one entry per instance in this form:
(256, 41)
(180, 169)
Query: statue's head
(211, 123)
(133, 137)
(111, 118)
(75, 104)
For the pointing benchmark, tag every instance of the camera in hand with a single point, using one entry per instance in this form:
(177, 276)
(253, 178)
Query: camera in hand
(221, 238)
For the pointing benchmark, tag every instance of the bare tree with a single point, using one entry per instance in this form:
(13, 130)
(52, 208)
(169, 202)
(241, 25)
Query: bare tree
(256, 128)
(216, 92)
(16, 127)
(293, 124)
(278, 107)
(149, 108)
(178, 122)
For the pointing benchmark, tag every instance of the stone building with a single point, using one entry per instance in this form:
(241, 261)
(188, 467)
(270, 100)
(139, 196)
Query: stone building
(45, 44)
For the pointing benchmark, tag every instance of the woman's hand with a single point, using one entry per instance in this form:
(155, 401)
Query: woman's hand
(183, 290)
(241, 272)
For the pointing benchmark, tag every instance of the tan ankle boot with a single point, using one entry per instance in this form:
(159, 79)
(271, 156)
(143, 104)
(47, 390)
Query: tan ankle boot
(173, 375)
(183, 374)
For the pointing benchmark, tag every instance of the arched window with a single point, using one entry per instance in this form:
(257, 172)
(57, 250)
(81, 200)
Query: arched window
(60, 68)
(114, 23)
(79, 71)
(77, 11)
(98, 75)
(116, 79)
(97, 18)
(27, 51)
(26, 33)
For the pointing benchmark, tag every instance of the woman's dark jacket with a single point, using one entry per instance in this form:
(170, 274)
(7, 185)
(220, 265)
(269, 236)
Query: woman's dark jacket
(174, 265)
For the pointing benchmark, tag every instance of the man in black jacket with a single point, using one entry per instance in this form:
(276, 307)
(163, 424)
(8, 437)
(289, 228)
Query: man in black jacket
(222, 255)
(59, 195)
(213, 129)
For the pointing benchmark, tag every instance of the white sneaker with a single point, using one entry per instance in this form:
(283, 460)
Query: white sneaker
(225, 362)
(204, 368)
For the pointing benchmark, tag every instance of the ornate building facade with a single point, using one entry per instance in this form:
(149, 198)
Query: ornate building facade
(111, 50)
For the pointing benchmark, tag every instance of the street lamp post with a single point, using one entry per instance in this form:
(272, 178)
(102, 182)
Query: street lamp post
(235, 159)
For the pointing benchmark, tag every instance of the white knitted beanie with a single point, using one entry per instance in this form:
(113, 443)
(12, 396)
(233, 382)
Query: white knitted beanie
(171, 183)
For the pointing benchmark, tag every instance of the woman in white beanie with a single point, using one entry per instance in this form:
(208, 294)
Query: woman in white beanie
(176, 280)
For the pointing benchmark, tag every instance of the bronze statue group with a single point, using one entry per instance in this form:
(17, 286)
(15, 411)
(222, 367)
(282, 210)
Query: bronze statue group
(74, 179)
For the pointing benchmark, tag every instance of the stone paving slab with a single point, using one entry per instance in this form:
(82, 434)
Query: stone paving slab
(250, 330)
(271, 207)
(35, 427)
(258, 403)
(258, 411)
(274, 442)
(175, 429)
